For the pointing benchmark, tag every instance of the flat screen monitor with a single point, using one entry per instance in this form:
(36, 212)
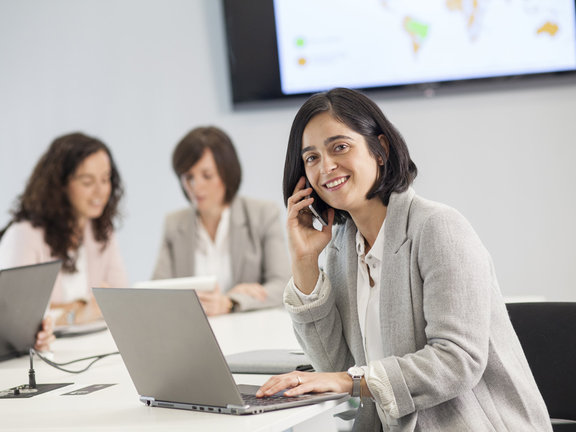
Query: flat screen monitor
(284, 48)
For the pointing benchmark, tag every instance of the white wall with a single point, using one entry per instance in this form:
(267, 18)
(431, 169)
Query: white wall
(141, 73)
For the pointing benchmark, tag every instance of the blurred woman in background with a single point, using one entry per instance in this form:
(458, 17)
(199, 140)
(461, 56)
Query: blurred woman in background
(67, 212)
(239, 240)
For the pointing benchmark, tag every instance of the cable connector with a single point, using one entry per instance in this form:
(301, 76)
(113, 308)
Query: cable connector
(31, 373)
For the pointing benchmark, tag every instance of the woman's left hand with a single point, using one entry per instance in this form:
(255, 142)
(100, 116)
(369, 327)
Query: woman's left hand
(46, 335)
(251, 289)
(299, 383)
(214, 302)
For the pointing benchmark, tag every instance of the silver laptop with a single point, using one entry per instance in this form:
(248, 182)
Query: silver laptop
(173, 357)
(24, 295)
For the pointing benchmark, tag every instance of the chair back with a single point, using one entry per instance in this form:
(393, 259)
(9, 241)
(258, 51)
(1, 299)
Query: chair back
(547, 333)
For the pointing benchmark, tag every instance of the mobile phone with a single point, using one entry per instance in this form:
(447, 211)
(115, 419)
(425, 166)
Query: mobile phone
(315, 206)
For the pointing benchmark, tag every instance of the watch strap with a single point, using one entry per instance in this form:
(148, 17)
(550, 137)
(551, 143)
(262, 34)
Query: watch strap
(356, 373)
(356, 386)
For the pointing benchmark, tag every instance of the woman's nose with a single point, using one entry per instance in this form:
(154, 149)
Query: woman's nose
(328, 165)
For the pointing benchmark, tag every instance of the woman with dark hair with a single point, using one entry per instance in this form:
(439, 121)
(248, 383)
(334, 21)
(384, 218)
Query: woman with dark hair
(407, 313)
(239, 240)
(66, 212)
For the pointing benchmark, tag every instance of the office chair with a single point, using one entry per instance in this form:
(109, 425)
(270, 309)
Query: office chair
(547, 333)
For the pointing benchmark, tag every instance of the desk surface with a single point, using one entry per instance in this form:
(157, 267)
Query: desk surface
(118, 407)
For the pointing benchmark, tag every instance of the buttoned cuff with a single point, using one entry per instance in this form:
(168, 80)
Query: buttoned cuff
(381, 389)
(294, 297)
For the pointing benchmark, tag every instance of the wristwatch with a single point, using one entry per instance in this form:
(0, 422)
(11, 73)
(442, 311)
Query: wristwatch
(71, 317)
(356, 373)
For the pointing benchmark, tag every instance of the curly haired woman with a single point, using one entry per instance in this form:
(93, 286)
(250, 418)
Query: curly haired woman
(67, 212)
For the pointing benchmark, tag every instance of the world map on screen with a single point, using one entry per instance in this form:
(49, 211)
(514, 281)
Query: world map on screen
(371, 43)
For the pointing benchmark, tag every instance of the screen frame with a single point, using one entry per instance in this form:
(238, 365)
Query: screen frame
(256, 78)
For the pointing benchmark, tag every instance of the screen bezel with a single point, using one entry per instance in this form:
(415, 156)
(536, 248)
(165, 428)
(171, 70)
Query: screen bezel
(256, 78)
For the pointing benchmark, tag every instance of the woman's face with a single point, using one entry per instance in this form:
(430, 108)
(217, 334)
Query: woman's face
(89, 187)
(338, 163)
(203, 184)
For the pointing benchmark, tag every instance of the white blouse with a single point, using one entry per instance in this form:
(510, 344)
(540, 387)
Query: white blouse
(212, 258)
(75, 285)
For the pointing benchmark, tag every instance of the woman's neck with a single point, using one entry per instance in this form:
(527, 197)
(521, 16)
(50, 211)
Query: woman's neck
(78, 234)
(369, 220)
(210, 220)
(81, 224)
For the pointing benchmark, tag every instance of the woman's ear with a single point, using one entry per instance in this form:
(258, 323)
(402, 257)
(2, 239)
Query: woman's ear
(384, 144)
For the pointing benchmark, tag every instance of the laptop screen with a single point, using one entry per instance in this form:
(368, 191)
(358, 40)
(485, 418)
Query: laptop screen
(24, 295)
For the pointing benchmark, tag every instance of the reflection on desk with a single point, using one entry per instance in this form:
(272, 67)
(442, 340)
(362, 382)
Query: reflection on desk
(118, 407)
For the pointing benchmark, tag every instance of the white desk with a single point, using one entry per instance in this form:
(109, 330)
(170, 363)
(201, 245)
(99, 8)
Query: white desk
(118, 408)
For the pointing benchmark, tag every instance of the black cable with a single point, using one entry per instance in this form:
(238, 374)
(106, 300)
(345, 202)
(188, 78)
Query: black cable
(31, 373)
(59, 365)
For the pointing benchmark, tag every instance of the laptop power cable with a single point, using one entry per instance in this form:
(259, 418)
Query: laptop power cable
(33, 389)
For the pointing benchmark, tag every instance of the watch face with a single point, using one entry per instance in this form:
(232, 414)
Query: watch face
(356, 371)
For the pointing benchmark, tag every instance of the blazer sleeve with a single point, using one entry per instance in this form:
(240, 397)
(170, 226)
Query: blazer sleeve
(457, 284)
(274, 265)
(164, 268)
(318, 327)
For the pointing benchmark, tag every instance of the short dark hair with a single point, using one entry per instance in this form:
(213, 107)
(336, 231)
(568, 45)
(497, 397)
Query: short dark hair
(363, 116)
(45, 203)
(191, 148)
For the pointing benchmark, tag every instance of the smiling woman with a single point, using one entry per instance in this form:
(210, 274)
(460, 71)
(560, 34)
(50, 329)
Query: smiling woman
(90, 186)
(67, 211)
(406, 313)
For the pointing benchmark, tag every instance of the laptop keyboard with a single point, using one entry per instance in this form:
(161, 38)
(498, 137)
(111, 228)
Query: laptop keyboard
(251, 399)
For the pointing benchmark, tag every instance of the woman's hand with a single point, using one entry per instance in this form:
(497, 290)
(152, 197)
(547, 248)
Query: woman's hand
(305, 242)
(45, 336)
(214, 302)
(89, 311)
(251, 289)
(299, 383)
(78, 311)
(304, 239)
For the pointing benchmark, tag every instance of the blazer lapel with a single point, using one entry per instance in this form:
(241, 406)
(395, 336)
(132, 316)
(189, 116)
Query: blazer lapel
(397, 220)
(239, 238)
(347, 258)
(185, 253)
(396, 298)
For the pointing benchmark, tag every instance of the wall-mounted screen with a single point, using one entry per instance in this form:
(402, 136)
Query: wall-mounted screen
(282, 48)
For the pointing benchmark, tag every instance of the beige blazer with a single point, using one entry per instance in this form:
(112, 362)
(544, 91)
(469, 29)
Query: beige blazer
(23, 244)
(451, 354)
(257, 247)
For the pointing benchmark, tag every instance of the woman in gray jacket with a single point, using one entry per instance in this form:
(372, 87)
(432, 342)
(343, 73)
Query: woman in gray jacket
(239, 240)
(407, 314)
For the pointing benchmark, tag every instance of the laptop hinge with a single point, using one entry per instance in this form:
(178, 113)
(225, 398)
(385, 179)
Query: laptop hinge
(232, 406)
(241, 409)
(147, 400)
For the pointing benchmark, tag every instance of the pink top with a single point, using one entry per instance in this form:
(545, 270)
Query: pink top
(23, 244)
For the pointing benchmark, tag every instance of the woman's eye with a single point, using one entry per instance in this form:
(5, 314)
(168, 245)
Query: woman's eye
(309, 159)
(340, 147)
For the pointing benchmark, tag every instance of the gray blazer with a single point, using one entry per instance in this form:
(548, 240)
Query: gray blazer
(452, 357)
(257, 247)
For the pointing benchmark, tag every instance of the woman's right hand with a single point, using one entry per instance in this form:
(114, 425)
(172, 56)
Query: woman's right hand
(45, 336)
(305, 241)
